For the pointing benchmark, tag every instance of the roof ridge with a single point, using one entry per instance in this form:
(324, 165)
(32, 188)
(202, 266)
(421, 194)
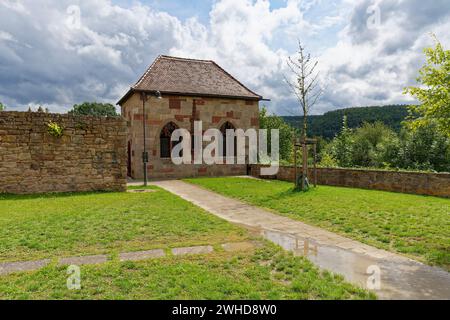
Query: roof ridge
(185, 59)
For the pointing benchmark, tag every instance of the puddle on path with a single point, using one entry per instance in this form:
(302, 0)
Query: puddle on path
(398, 279)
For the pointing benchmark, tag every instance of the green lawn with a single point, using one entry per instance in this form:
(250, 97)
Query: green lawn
(268, 273)
(55, 226)
(47, 226)
(417, 226)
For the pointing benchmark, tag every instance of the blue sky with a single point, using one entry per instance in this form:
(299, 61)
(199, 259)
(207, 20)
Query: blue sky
(60, 52)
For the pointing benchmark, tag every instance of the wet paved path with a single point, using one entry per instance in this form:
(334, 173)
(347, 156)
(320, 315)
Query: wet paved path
(400, 277)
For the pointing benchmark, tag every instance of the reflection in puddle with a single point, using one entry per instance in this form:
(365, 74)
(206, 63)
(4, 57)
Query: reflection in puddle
(402, 279)
(353, 267)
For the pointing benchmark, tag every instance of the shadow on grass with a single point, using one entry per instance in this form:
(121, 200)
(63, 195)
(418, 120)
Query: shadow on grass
(8, 196)
(293, 192)
(54, 195)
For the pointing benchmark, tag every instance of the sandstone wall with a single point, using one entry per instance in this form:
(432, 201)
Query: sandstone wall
(433, 184)
(91, 154)
(181, 110)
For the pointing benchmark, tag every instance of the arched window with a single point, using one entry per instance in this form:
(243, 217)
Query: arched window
(223, 129)
(166, 145)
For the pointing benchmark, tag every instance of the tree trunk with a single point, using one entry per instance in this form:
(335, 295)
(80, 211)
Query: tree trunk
(305, 126)
(304, 150)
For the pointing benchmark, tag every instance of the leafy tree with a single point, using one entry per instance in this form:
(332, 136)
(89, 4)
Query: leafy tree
(2, 106)
(340, 148)
(370, 144)
(434, 92)
(328, 161)
(377, 146)
(286, 133)
(426, 148)
(94, 109)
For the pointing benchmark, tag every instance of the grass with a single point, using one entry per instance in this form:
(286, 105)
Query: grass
(417, 226)
(268, 273)
(61, 225)
(47, 226)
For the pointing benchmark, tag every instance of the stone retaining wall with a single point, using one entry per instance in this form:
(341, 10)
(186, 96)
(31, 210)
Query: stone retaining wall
(433, 184)
(90, 155)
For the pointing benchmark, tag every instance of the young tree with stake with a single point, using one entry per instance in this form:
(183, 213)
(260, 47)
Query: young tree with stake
(307, 91)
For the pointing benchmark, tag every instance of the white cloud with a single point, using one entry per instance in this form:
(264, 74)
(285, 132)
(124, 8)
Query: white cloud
(45, 60)
(16, 6)
(54, 63)
(239, 38)
(371, 67)
(5, 36)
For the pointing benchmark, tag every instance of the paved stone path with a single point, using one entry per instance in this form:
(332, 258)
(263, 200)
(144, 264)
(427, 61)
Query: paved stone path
(142, 255)
(192, 250)
(22, 266)
(84, 260)
(400, 277)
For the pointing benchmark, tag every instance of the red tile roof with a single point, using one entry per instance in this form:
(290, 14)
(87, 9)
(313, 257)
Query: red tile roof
(180, 76)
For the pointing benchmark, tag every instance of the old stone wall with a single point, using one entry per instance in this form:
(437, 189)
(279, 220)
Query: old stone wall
(182, 110)
(433, 184)
(90, 155)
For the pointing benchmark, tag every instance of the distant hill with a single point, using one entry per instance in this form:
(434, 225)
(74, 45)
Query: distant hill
(329, 124)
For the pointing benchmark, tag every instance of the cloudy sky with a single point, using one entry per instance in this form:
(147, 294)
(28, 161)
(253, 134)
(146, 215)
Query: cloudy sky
(60, 52)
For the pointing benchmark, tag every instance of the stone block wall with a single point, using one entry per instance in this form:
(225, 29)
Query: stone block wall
(90, 155)
(182, 110)
(432, 184)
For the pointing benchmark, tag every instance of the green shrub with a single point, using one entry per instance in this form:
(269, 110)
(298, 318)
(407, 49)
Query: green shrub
(54, 129)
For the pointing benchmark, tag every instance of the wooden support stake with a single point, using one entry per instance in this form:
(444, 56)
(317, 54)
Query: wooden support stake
(295, 164)
(315, 165)
(305, 164)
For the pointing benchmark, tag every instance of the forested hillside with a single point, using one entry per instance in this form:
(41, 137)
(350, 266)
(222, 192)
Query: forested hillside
(329, 124)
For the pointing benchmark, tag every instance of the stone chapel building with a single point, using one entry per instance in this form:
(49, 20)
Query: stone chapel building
(173, 93)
